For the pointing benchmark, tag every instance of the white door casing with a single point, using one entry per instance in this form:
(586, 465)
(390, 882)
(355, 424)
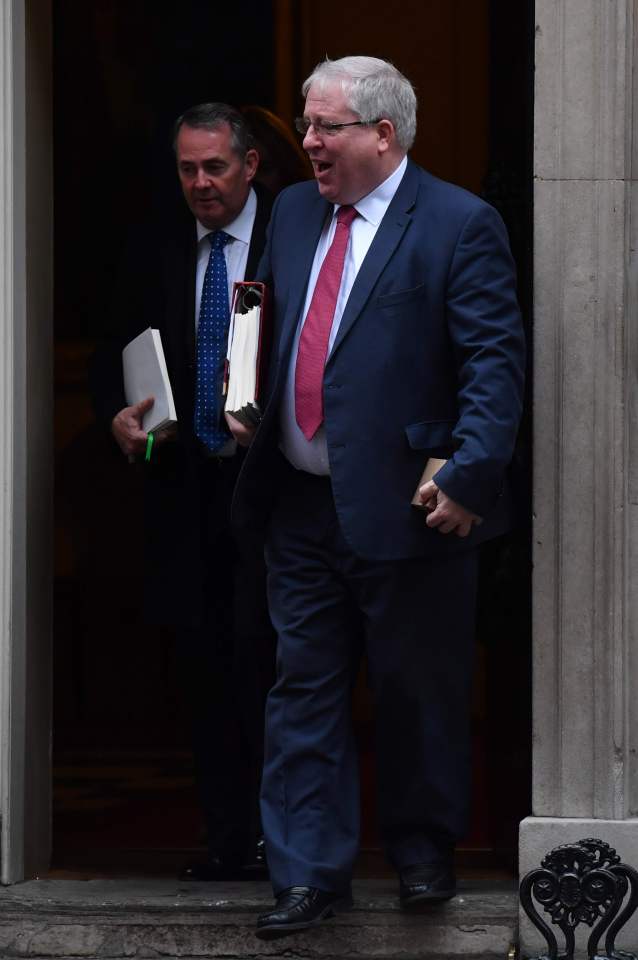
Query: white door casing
(26, 405)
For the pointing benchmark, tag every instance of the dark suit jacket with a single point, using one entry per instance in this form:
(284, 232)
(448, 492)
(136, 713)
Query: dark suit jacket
(156, 288)
(428, 361)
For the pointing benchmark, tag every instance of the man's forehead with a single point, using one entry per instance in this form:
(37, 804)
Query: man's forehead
(326, 96)
(212, 142)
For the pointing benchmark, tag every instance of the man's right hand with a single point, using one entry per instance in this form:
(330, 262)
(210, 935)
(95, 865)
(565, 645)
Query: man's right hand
(126, 427)
(243, 435)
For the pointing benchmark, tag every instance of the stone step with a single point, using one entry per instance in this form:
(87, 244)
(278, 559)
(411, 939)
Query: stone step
(162, 918)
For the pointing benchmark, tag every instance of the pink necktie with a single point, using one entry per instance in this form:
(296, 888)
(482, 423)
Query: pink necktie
(313, 343)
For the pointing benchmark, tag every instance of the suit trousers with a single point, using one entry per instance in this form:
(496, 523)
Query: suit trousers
(229, 662)
(414, 621)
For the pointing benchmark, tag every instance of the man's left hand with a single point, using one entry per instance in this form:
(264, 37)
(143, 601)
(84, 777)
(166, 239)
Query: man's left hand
(444, 513)
(242, 434)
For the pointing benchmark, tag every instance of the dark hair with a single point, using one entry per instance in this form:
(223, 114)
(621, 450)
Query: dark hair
(281, 159)
(211, 116)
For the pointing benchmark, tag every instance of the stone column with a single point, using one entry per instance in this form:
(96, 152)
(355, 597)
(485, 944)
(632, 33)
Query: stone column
(26, 436)
(586, 465)
(12, 423)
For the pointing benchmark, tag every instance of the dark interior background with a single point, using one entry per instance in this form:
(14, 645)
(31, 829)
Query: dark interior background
(122, 72)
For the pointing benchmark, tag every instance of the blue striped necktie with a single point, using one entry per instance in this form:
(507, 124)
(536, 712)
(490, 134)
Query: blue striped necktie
(212, 333)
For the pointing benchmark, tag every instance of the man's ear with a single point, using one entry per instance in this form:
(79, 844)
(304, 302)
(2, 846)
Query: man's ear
(386, 135)
(251, 162)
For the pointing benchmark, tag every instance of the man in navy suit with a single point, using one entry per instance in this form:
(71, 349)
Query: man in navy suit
(397, 339)
(199, 579)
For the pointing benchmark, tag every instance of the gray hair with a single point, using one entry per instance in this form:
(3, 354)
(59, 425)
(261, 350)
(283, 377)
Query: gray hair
(212, 116)
(374, 89)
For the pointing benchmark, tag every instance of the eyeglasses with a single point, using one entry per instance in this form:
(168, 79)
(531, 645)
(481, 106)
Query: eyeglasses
(324, 128)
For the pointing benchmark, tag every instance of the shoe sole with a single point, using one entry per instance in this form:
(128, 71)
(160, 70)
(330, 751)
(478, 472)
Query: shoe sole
(277, 930)
(420, 899)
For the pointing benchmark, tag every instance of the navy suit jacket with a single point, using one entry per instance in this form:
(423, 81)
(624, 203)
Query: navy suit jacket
(428, 361)
(155, 287)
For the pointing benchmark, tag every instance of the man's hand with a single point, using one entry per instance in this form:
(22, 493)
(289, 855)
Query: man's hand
(444, 513)
(243, 435)
(126, 427)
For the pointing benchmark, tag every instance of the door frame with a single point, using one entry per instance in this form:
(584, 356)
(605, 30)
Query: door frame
(26, 448)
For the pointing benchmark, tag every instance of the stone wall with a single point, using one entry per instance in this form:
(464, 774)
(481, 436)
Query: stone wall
(585, 720)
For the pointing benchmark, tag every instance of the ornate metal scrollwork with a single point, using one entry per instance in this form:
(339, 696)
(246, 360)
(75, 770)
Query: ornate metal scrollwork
(581, 883)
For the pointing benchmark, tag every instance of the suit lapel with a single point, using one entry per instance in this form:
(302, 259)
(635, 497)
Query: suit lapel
(303, 245)
(386, 240)
(179, 256)
(258, 235)
(190, 271)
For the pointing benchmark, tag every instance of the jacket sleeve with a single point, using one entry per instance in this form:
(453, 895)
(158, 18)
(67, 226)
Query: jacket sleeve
(489, 347)
(127, 318)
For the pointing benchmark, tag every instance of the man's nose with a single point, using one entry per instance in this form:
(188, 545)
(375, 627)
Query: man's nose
(202, 180)
(311, 139)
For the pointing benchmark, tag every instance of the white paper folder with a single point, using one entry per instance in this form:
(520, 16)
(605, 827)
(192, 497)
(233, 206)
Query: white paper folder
(146, 375)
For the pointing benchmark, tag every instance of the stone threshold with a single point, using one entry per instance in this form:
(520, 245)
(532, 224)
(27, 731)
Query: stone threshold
(163, 918)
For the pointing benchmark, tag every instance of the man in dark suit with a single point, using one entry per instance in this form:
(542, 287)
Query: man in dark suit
(397, 339)
(177, 277)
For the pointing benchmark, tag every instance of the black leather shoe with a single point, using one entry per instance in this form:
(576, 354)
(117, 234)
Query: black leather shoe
(426, 883)
(299, 908)
(215, 868)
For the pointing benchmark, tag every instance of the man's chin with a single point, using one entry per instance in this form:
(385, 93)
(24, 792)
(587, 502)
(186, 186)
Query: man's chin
(210, 215)
(328, 192)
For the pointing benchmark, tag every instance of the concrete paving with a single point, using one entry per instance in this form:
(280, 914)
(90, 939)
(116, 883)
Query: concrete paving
(123, 919)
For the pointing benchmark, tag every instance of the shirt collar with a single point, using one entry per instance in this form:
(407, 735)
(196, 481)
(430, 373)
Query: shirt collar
(373, 206)
(241, 227)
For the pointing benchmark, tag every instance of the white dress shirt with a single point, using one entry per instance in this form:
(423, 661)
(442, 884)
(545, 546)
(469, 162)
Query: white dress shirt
(235, 252)
(312, 455)
(236, 256)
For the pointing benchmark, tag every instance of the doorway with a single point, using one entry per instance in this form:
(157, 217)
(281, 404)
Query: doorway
(123, 795)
